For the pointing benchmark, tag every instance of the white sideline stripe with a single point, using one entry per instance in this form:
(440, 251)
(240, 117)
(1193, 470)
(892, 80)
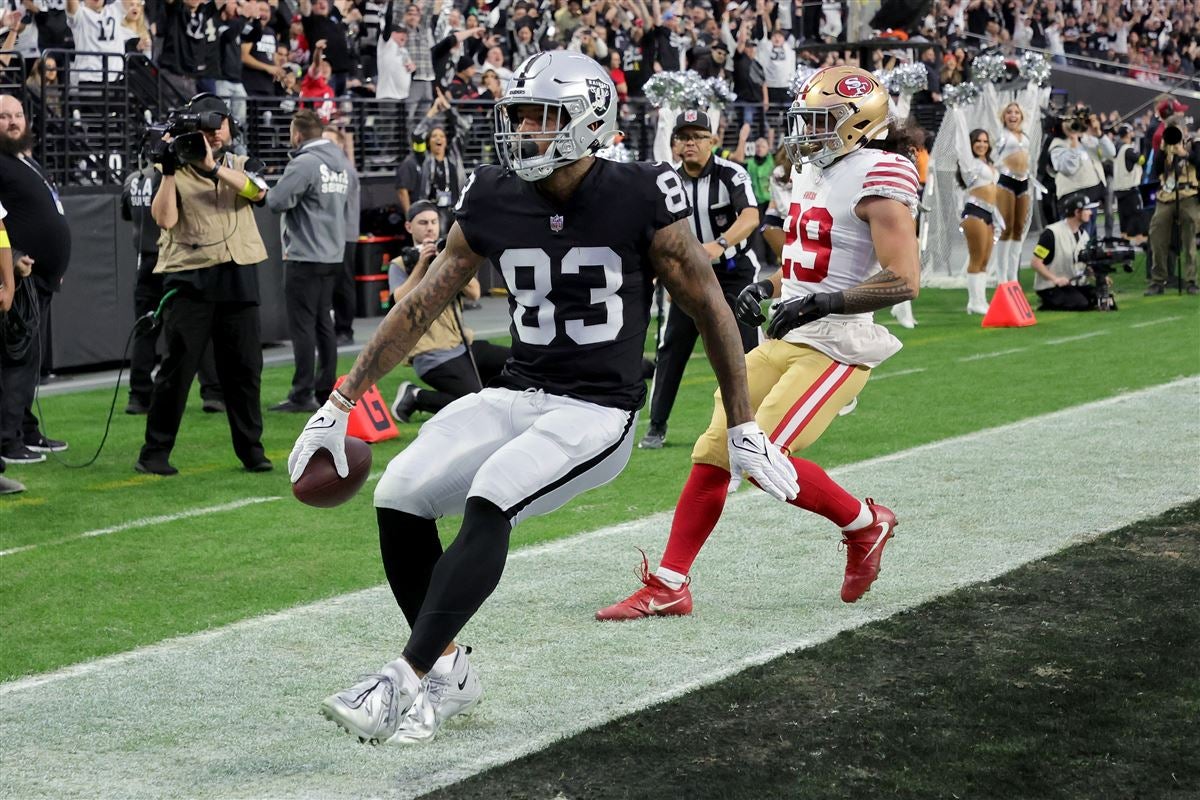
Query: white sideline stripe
(146, 522)
(1154, 322)
(993, 354)
(1067, 339)
(128, 725)
(897, 374)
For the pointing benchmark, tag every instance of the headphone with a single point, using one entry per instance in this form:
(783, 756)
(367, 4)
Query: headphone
(235, 128)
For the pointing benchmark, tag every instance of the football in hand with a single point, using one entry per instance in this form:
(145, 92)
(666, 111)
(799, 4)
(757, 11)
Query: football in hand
(319, 484)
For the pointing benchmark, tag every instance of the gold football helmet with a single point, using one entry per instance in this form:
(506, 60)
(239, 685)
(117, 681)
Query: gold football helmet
(836, 111)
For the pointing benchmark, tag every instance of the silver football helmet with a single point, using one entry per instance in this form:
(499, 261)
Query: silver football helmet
(573, 90)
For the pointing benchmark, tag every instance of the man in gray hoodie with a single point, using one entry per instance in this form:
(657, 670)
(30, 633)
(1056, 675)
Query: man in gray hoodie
(311, 195)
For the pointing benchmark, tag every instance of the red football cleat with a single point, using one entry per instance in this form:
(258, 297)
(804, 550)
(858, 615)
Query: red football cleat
(654, 599)
(863, 550)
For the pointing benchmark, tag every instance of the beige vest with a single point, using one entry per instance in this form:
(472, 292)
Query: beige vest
(442, 334)
(1182, 184)
(1124, 179)
(215, 226)
(1066, 250)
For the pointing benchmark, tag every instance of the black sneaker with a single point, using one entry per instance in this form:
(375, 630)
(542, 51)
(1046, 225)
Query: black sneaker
(155, 466)
(260, 466)
(290, 406)
(213, 406)
(20, 454)
(406, 403)
(40, 444)
(1154, 289)
(137, 407)
(654, 439)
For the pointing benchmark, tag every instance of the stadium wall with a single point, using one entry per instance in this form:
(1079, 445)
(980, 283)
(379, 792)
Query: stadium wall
(1104, 92)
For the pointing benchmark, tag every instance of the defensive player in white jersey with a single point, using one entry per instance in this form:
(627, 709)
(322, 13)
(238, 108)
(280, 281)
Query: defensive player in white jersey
(851, 249)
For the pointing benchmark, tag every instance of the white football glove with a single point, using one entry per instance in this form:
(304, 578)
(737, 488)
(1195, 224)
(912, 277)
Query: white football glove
(752, 454)
(327, 429)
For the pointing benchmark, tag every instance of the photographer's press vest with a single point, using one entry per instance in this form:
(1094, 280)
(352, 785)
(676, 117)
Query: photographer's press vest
(1125, 179)
(1090, 173)
(215, 224)
(1066, 252)
(1178, 180)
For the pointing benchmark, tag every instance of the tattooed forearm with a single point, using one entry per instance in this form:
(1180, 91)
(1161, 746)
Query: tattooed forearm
(881, 290)
(683, 268)
(407, 322)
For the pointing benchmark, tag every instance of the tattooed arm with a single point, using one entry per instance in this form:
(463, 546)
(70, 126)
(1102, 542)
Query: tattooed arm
(894, 236)
(450, 272)
(683, 268)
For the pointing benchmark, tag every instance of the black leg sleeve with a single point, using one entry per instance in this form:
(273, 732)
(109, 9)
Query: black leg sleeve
(463, 578)
(410, 548)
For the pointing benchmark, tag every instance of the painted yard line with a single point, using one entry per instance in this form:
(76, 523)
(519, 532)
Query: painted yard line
(1081, 336)
(146, 522)
(993, 354)
(1154, 322)
(232, 712)
(897, 374)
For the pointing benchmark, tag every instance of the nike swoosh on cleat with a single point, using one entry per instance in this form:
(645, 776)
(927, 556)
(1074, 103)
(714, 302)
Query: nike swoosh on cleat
(654, 607)
(887, 528)
(463, 685)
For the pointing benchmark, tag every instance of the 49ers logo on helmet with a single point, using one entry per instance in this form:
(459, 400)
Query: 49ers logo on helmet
(853, 86)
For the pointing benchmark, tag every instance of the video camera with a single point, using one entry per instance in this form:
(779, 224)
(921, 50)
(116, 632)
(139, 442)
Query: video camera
(1176, 130)
(1101, 258)
(187, 136)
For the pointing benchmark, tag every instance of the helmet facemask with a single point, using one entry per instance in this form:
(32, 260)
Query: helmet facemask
(812, 134)
(571, 139)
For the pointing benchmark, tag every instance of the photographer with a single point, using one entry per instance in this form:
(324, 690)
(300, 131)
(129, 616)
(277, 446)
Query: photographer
(1077, 154)
(1056, 259)
(1176, 167)
(1127, 174)
(208, 249)
(440, 357)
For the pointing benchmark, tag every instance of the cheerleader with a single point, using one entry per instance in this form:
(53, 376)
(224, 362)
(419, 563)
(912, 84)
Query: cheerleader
(980, 217)
(1012, 197)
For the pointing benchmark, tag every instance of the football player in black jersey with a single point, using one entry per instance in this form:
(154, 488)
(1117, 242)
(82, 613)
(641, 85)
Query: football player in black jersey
(579, 241)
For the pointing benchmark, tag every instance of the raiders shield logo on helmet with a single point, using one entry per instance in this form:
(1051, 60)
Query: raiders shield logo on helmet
(599, 94)
(853, 86)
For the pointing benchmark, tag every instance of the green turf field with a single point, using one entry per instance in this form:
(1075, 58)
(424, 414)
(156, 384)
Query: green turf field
(69, 597)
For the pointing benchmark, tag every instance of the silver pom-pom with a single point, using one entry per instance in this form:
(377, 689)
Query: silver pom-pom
(906, 79)
(1035, 68)
(962, 94)
(680, 90)
(803, 73)
(988, 68)
(722, 93)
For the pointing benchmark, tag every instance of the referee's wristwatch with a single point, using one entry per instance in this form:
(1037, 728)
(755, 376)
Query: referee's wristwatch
(721, 240)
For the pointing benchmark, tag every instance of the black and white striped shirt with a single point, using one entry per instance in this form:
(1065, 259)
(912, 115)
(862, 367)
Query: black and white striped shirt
(718, 195)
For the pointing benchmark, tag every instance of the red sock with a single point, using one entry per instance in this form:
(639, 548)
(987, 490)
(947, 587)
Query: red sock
(821, 495)
(696, 514)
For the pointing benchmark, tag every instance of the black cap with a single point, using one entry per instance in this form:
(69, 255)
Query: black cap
(691, 119)
(721, 46)
(420, 207)
(1076, 202)
(464, 64)
(208, 102)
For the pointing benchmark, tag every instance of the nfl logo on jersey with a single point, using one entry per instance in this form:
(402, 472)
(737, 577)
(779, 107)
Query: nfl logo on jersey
(556, 223)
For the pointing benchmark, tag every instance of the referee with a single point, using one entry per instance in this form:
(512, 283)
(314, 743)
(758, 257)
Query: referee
(724, 215)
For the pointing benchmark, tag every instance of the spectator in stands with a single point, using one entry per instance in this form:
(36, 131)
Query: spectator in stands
(312, 196)
(208, 251)
(23, 33)
(617, 75)
(189, 50)
(317, 84)
(260, 73)
(320, 24)
(44, 76)
(442, 172)
(749, 81)
(670, 43)
(344, 299)
(51, 19)
(299, 51)
(440, 357)
(136, 196)
(417, 20)
(229, 85)
(492, 90)
(462, 87)
(41, 241)
(567, 19)
(94, 26)
(396, 66)
(495, 63)
(777, 54)
(135, 30)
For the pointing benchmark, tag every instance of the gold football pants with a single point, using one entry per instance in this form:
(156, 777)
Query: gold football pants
(795, 392)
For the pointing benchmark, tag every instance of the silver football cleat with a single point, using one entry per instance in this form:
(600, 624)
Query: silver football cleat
(370, 709)
(442, 697)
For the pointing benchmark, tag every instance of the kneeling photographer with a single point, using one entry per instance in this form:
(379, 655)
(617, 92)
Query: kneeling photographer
(209, 248)
(1056, 259)
(446, 357)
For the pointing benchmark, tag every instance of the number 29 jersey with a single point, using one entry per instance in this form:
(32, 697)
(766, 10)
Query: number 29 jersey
(578, 275)
(828, 248)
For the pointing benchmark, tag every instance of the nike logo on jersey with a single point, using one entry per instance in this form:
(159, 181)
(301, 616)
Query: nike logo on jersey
(655, 608)
(320, 422)
(887, 529)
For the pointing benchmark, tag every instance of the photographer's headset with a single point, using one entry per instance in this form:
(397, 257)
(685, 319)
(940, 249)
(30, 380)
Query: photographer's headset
(207, 103)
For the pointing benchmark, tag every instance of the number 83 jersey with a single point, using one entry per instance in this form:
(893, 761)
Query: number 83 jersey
(828, 247)
(578, 275)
